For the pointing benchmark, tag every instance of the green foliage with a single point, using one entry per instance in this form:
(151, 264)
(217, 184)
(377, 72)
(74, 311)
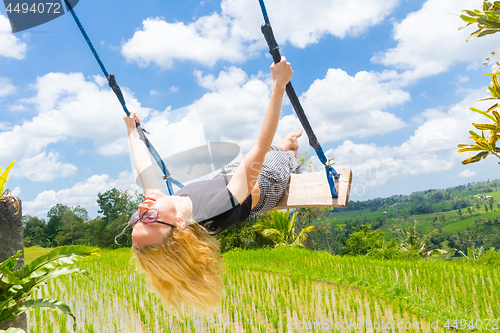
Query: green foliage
(13, 330)
(488, 22)
(279, 228)
(364, 240)
(490, 257)
(243, 236)
(16, 287)
(72, 226)
(4, 177)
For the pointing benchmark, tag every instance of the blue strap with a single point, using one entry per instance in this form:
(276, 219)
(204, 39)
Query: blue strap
(116, 89)
(267, 31)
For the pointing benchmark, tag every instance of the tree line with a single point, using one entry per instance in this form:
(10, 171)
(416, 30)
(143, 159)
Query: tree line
(72, 226)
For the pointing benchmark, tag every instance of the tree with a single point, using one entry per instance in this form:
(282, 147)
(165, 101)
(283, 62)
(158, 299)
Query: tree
(413, 242)
(116, 206)
(73, 227)
(495, 242)
(306, 216)
(114, 203)
(54, 216)
(488, 22)
(364, 240)
(279, 228)
(34, 231)
(243, 236)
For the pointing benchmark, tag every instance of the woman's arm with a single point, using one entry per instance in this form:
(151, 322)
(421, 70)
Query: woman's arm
(142, 160)
(248, 172)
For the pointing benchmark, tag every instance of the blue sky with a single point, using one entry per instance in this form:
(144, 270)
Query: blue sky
(386, 86)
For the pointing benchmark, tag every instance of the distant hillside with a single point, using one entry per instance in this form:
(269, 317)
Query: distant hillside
(465, 215)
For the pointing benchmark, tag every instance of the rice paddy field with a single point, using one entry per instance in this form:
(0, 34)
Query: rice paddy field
(284, 290)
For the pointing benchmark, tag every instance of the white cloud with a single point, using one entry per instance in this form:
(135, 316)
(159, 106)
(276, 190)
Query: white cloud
(6, 87)
(16, 191)
(305, 22)
(429, 41)
(229, 35)
(337, 106)
(431, 149)
(340, 105)
(209, 40)
(467, 173)
(10, 45)
(169, 137)
(68, 106)
(18, 107)
(234, 110)
(43, 167)
(83, 193)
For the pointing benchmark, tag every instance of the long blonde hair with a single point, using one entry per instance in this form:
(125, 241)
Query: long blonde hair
(185, 269)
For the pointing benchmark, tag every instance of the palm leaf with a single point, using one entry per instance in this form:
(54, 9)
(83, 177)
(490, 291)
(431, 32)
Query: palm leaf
(274, 235)
(304, 233)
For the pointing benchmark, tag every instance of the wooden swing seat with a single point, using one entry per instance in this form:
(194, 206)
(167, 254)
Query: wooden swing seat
(312, 190)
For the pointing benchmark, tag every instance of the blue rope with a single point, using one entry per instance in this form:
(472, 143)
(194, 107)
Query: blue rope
(264, 11)
(116, 89)
(313, 141)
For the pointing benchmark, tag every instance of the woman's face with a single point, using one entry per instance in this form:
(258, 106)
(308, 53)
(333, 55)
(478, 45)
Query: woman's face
(154, 233)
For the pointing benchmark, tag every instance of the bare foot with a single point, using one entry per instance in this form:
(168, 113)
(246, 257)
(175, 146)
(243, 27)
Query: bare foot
(290, 143)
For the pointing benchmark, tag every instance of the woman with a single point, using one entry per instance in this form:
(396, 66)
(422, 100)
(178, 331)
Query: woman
(172, 235)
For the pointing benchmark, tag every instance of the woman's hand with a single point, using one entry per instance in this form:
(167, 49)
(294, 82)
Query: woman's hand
(281, 72)
(130, 122)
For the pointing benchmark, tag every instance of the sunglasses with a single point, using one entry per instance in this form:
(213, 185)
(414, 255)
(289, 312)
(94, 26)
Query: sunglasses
(149, 216)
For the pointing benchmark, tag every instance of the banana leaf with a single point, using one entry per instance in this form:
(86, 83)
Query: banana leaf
(37, 303)
(13, 330)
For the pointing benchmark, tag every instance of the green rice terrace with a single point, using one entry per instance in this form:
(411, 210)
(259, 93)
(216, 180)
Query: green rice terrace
(284, 290)
(424, 262)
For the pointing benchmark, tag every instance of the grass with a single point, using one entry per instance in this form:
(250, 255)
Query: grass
(273, 290)
(31, 253)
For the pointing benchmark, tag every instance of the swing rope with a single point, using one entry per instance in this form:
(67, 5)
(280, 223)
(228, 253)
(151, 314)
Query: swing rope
(267, 31)
(116, 89)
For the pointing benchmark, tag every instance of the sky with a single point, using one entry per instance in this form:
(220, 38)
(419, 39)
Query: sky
(386, 85)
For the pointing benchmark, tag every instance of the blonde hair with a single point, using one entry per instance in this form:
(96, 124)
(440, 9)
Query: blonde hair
(185, 269)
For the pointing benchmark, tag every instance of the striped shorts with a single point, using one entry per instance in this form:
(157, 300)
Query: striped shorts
(273, 178)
